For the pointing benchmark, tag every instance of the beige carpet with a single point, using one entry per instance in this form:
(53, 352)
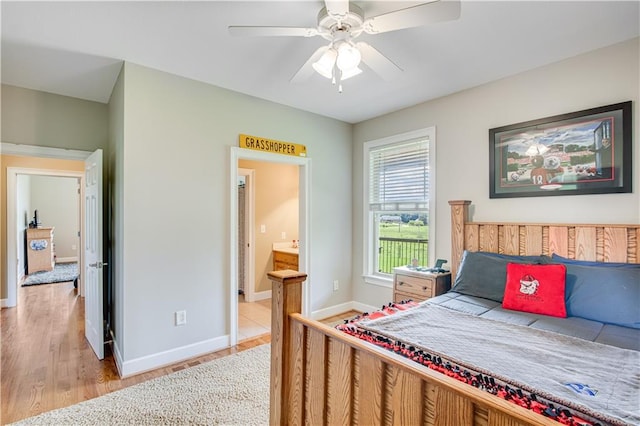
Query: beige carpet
(233, 390)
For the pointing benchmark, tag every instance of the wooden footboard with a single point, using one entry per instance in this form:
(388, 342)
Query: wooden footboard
(321, 376)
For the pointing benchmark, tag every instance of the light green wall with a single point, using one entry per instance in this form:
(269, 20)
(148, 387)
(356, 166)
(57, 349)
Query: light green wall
(175, 213)
(114, 210)
(31, 117)
(462, 122)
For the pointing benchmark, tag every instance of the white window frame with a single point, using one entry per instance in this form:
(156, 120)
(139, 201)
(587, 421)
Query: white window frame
(370, 275)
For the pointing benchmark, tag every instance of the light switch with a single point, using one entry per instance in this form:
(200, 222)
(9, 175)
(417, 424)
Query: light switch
(263, 229)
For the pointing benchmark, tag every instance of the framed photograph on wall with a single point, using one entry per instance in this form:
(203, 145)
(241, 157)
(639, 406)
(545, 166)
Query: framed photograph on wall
(583, 152)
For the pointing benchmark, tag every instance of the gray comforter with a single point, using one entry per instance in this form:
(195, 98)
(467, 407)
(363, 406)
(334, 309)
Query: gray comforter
(599, 380)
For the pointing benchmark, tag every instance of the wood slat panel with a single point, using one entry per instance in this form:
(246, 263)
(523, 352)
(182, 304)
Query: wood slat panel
(634, 248)
(510, 243)
(370, 388)
(615, 244)
(599, 244)
(339, 390)
(480, 416)
(296, 383)
(497, 418)
(585, 243)
(357, 389)
(489, 238)
(533, 240)
(429, 405)
(452, 409)
(559, 241)
(472, 238)
(405, 398)
(315, 380)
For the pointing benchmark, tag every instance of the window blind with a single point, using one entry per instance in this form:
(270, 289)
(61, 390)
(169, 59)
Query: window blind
(399, 176)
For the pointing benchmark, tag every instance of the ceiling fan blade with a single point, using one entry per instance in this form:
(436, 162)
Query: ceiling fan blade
(379, 63)
(307, 70)
(272, 31)
(337, 8)
(423, 14)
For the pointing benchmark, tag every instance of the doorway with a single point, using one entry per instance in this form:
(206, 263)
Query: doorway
(303, 172)
(15, 260)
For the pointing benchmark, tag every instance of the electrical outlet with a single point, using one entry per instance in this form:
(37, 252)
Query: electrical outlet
(263, 229)
(181, 317)
(74, 247)
(336, 285)
(284, 235)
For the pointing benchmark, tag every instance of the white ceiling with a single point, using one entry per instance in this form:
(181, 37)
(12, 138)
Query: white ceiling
(76, 48)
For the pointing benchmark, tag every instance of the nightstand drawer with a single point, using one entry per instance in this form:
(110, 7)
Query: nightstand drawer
(420, 287)
(399, 297)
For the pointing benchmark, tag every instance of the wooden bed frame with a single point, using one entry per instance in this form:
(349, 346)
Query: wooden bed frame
(320, 376)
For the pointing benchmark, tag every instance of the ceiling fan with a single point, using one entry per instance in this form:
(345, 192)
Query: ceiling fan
(341, 22)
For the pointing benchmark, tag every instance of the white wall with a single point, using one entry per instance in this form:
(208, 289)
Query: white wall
(463, 120)
(174, 196)
(56, 199)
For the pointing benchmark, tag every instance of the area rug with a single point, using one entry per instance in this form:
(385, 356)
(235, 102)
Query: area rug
(233, 390)
(62, 272)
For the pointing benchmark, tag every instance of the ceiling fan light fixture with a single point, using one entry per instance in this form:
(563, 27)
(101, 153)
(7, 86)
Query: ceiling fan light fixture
(324, 65)
(349, 57)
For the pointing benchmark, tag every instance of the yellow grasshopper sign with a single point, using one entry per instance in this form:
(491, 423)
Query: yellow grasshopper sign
(270, 145)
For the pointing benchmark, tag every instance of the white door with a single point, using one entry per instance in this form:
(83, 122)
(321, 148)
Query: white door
(93, 323)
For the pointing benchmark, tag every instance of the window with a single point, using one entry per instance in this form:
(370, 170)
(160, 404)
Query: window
(398, 177)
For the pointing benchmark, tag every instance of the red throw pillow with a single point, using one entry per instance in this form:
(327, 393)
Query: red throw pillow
(538, 289)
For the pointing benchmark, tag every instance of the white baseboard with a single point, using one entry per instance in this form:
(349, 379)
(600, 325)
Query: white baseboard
(340, 309)
(66, 259)
(262, 295)
(361, 307)
(3, 303)
(115, 349)
(161, 359)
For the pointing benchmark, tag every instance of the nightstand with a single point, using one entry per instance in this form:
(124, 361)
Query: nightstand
(409, 283)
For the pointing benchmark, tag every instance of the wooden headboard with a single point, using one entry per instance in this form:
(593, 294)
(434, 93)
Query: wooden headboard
(603, 243)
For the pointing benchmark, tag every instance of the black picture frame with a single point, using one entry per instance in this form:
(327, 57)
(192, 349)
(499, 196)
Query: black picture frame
(583, 152)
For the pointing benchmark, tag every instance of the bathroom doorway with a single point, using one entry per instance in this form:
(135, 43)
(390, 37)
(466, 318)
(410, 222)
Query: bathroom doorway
(262, 235)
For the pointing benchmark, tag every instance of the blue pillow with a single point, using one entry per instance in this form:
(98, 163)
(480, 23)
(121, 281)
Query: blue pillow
(602, 293)
(484, 274)
(566, 261)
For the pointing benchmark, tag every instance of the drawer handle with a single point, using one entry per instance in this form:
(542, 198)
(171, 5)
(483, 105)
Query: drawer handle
(401, 283)
(425, 288)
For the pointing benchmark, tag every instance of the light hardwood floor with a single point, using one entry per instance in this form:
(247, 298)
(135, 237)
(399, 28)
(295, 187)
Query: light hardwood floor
(46, 362)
